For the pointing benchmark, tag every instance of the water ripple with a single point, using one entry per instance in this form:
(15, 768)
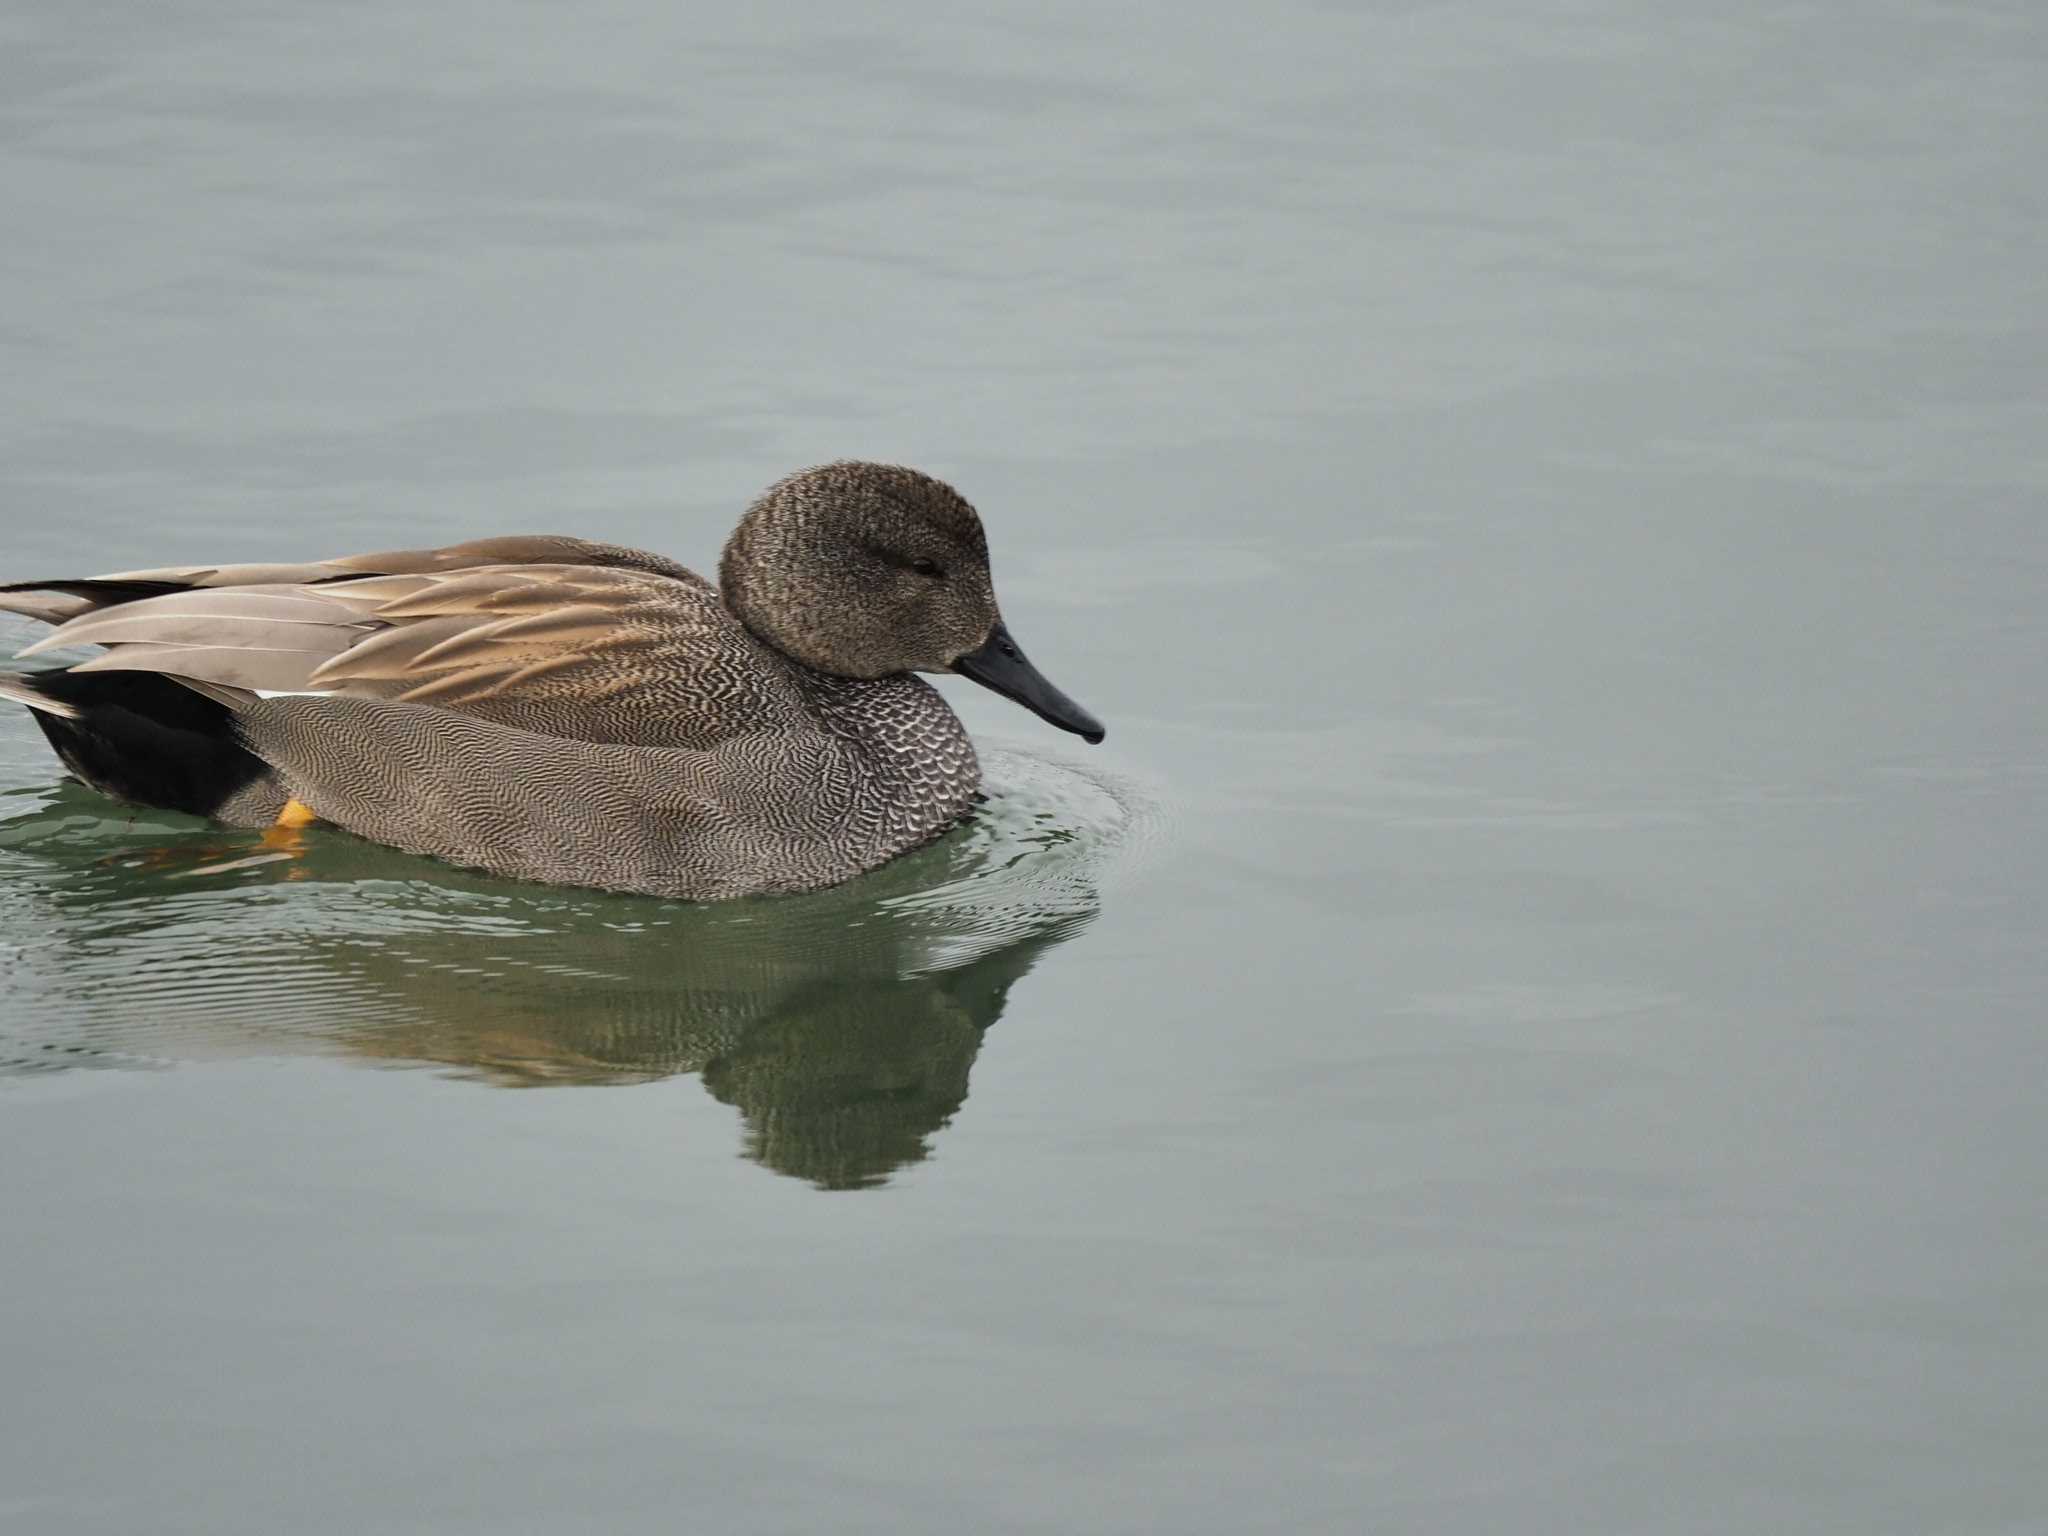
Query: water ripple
(842, 1023)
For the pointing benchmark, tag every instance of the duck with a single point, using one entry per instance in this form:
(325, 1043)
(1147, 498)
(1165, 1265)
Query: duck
(556, 709)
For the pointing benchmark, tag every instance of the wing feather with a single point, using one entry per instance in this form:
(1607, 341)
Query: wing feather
(513, 549)
(275, 618)
(594, 652)
(239, 666)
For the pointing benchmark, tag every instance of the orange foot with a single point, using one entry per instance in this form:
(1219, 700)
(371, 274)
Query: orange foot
(287, 835)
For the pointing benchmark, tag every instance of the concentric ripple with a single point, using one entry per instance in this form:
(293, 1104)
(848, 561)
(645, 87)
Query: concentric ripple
(842, 1023)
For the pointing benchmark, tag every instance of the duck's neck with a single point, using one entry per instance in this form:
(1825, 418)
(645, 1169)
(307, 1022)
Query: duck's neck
(909, 737)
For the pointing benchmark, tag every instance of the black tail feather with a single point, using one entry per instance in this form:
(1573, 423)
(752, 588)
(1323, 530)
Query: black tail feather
(104, 593)
(141, 737)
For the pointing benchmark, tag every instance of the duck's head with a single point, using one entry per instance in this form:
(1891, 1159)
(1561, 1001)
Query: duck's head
(866, 570)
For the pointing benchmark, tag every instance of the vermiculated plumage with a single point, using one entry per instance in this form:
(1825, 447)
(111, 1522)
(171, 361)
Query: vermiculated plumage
(559, 710)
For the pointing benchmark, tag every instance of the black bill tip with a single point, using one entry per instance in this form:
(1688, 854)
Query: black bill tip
(1000, 665)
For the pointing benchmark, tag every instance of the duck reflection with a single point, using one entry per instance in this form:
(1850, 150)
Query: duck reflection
(842, 1026)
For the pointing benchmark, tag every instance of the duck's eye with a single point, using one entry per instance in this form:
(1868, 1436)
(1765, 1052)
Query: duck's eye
(927, 567)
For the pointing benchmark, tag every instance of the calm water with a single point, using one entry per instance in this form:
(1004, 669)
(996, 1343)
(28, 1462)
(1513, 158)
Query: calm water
(1534, 1020)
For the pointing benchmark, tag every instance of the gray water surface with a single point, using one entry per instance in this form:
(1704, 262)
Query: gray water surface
(1533, 1022)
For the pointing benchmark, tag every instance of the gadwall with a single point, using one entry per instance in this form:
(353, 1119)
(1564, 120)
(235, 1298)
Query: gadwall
(560, 710)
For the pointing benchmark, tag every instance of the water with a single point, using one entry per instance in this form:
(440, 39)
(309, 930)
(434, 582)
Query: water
(1532, 1022)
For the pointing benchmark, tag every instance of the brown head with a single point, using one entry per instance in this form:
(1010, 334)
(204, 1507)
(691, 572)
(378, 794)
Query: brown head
(866, 570)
